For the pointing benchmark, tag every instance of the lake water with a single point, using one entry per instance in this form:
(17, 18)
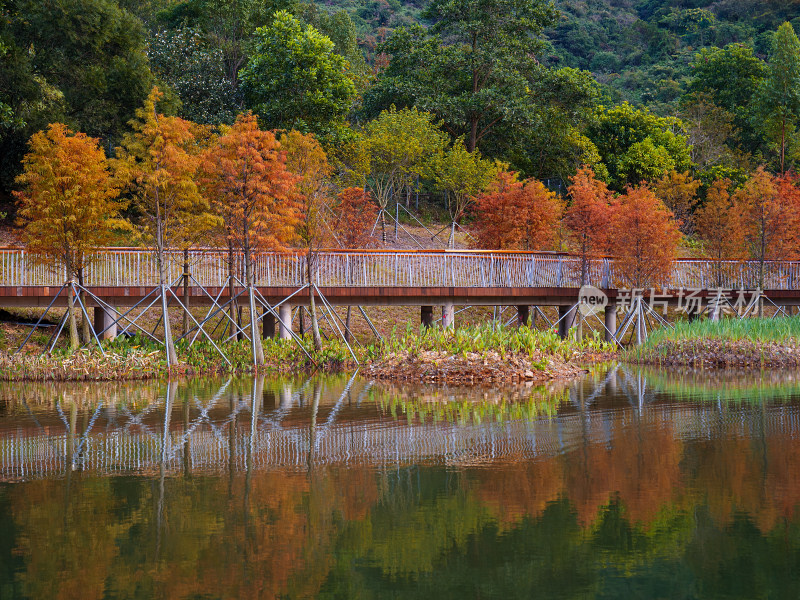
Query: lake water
(626, 484)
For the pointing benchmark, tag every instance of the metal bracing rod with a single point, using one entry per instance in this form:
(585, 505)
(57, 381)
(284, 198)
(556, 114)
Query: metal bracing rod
(323, 312)
(44, 314)
(215, 301)
(465, 231)
(324, 301)
(329, 308)
(58, 333)
(132, 322)
(418, 221)
(377, 219)
(288, 328)
(338, 406)
(88, 320)
(544, 316)
(566, 314)
(623, 327)
(289, 297)
(369, 322)
(414, 239)
(221, 353)
(611, 333)
(658, 317)
(104, 304)
(222, 309)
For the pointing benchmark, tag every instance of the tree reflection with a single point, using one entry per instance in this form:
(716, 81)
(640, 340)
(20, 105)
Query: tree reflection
(339, 488)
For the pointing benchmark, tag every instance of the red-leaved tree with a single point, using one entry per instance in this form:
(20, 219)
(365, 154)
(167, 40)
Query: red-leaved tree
(588, 216)
(246, 177)
(516, 215)
(643, 237)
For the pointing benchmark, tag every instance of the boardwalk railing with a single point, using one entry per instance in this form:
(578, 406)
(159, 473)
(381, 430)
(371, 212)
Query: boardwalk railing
(137, 267)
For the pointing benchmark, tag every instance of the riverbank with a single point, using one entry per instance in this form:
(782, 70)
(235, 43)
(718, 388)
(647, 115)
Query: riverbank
(728, 343)
(475, 354)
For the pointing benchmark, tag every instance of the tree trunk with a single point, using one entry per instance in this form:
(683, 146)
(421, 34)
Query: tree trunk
(185, 291)
(86, 331)
(232, 307)
(74, 341)
(347, 335)
(312, 308)
(169, 343)
(783, 145)
(255, 334)
(301, 320)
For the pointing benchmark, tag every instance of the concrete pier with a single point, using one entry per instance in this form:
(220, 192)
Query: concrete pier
(523, 314)
(426, 315)
(104, 320)
(285, 313)
(448, 315)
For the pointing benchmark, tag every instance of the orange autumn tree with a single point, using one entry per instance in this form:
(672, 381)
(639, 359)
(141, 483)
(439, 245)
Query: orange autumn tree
(768, 208)
(355, 213)
(719, 226)
(643, 236)
(588, 216)
(678, 192)
(157, 163)
(313, 193)
(67, 206)
(516, 215)
(245, 175)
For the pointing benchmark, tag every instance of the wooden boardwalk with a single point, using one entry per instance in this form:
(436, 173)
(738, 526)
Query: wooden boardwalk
(123, 276)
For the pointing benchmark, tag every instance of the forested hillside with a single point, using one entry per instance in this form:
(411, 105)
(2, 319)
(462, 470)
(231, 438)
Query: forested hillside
(473, 101)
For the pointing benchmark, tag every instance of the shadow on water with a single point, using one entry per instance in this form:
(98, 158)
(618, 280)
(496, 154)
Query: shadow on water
(628, 482)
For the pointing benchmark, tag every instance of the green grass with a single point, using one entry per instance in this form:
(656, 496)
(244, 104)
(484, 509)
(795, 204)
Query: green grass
(487, 337)
(777, 329)
(125, 355)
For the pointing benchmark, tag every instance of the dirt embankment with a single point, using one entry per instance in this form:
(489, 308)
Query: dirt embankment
(719, 353)
(487, 367)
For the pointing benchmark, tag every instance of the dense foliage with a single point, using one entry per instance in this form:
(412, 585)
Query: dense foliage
(511, 113)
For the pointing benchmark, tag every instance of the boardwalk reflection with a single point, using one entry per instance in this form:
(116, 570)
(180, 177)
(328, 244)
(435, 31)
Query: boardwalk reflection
(674, 482)
(241, 425)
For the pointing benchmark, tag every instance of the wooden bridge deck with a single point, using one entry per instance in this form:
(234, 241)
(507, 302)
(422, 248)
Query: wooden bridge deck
(123, 276)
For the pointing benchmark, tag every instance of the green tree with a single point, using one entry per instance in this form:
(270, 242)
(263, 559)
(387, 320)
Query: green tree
(295, 80)
(462, 175)
(399, 144)
(94, 53)
(341, 30)
(185, 60)
(227, 26)
(476, 71)
(731, 77)
(779, 95)
(636, 145)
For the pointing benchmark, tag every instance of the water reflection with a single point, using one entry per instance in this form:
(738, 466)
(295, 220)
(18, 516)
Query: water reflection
(629, 482)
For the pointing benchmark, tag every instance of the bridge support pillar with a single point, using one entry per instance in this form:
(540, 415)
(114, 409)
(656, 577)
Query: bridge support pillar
(523, 315)
(566, 317)
(268, 326)
(426, 316)
(610, 320)
(103, 319)
(285, 313)
(448, 315)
